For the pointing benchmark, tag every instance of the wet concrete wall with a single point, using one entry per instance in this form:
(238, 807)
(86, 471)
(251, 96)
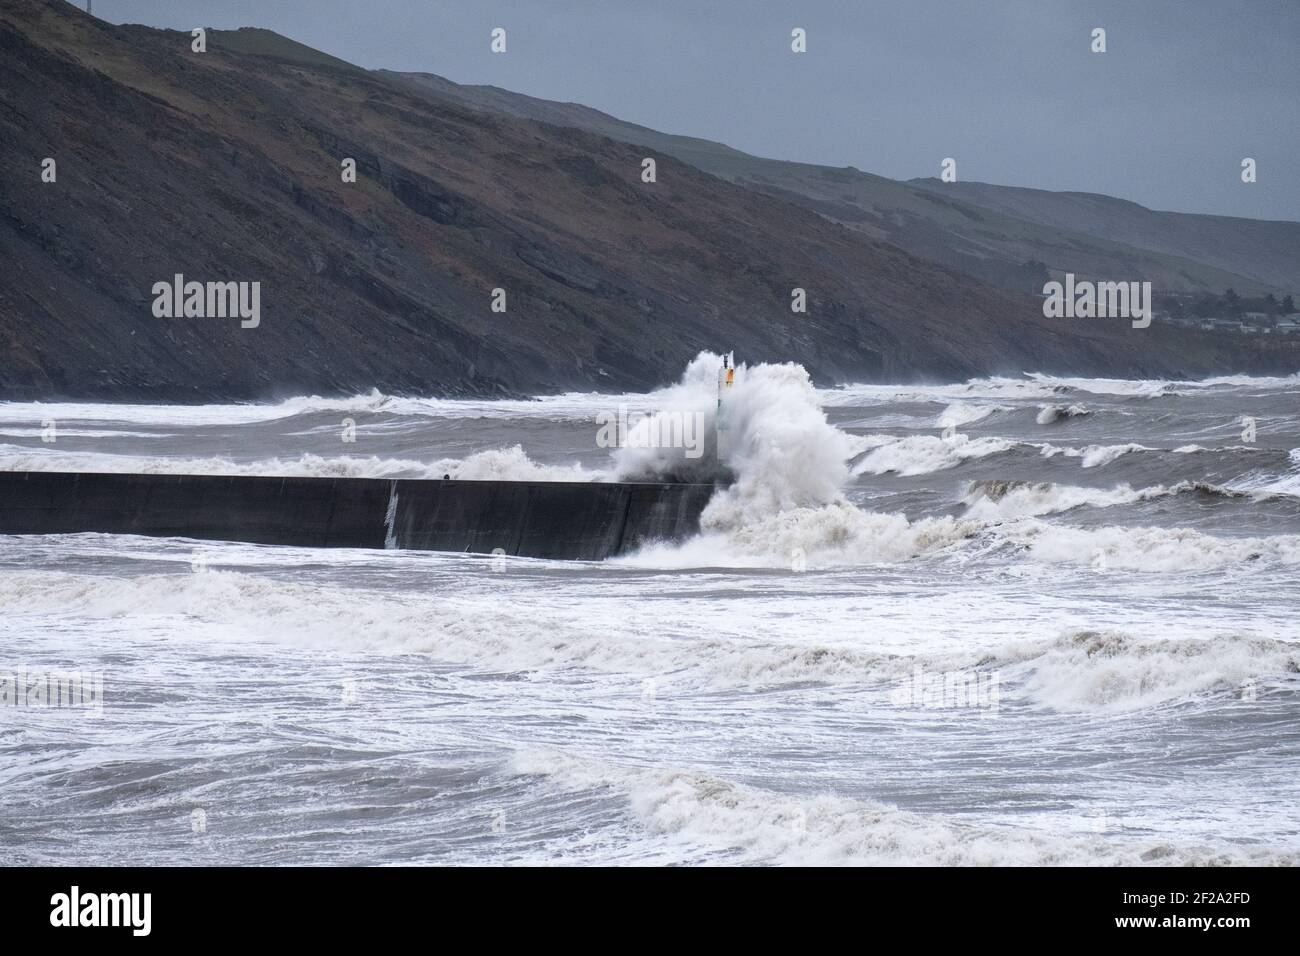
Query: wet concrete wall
(564, 520)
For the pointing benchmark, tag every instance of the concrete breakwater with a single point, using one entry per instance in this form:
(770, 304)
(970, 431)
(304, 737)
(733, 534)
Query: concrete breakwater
(562, 520)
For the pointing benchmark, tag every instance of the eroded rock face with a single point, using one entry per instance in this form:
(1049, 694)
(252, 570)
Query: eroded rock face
(225, 166)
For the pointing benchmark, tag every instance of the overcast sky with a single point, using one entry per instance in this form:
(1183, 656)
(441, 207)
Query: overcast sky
(1009, 88)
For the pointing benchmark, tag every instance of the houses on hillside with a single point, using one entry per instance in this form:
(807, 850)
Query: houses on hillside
(1248, 323)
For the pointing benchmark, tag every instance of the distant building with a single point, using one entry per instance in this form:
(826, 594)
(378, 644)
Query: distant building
(1223, 325)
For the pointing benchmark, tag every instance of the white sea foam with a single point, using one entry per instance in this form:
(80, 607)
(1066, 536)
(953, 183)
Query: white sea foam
(565, 406)
(68, 432)
(958, 414)
(788, 465)
(1055, 413)
(994, 501)
(786, 507)
(833, 535)
(1142, 388)
(1112, 670)
(1036, 385)
(1098, 456)
(1094, 456)
(187, 415)
(1006, 389)
(508, 464)
(754, 825)
(500, 464)
(692, 646)
(1262, 484)
(1000, 501)
(1097, 657)
(1165, 550)
(1263, 382)
(926, 454)
(767, 434)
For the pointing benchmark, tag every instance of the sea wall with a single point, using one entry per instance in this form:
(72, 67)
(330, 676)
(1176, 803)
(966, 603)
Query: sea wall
(565, 520)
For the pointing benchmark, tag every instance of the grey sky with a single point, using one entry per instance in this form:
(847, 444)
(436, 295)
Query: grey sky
(1009, 88)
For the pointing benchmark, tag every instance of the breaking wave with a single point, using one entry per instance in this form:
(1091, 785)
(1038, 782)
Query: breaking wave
(1091, 670)
(1097, 456)
(191, 415)
(782, 466)
(1055, 413)
(749, 824)
(993, 500)
(925, 454)
(1036, 385)
(963, 413)
(1111, 670)
(1157, 550)
(1264, 484)
(568, 405)
(505, 464)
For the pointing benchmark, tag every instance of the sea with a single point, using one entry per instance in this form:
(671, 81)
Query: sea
(1026, 620)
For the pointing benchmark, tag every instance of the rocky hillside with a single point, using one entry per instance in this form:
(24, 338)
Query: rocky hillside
(225, 166)
(1258, 255)
(1008, 236)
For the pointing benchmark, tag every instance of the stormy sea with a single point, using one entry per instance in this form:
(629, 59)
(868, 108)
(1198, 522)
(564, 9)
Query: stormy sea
(1024, 620)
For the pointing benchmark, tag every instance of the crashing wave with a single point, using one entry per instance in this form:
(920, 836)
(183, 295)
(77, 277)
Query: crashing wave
(999, 500)
(745, 823)
(1055, 413)
(926, 454)
(504, 464)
